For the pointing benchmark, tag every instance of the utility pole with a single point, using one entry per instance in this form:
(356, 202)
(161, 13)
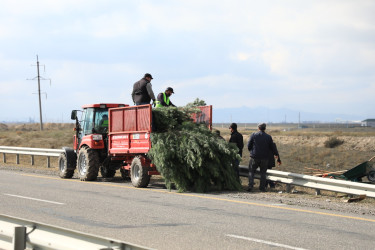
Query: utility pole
(40, 101)
(39, 93)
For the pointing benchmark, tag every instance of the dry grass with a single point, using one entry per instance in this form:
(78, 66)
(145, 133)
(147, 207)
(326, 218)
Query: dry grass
(304, 148)
(28, 135)
(299, 149)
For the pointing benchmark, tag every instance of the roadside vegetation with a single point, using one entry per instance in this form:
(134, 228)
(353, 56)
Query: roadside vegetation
(300, 149)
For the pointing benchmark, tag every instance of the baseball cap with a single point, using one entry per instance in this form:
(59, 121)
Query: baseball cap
(170, 89)
(148, 75)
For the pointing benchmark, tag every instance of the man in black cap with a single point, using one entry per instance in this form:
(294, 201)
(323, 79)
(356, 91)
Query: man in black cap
(142, 91)
(163, 98)
(260, 146)
(237, 138)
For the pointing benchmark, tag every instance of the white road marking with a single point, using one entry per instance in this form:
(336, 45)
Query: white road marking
(264, 242)
(29, 198)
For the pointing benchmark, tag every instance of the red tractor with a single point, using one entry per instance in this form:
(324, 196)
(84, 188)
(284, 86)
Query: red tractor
(111, 137)
(90, 145)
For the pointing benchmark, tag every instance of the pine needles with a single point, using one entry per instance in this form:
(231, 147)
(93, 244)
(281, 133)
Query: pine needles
(189, 155)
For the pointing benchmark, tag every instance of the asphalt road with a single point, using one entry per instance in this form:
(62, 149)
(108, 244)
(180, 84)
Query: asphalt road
(161, 219)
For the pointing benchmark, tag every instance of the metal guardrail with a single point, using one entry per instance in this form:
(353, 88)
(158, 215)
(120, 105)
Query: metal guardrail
(314, 182)
(30, 151)
(16, 233)
(318, 183)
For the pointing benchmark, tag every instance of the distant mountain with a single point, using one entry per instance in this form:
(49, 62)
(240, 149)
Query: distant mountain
(262, 114)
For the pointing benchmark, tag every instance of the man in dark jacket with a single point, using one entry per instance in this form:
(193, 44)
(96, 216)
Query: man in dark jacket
(237, 138)
(142, 91)
(260, 146)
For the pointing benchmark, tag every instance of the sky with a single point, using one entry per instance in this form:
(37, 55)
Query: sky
(309, 56)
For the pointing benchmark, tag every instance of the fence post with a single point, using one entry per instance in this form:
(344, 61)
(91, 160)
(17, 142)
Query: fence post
(48, 162)
(32, 160)
(17, 159)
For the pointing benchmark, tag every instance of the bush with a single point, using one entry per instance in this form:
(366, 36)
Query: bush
(333, 142)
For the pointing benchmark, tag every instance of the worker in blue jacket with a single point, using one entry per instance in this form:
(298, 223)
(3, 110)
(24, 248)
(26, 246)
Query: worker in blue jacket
(260, 146)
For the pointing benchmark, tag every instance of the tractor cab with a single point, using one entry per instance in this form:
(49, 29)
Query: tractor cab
(92, 128)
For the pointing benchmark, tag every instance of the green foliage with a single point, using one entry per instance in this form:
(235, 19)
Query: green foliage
(190, 155)
(170, 118)
(333, 142)
(196, 103)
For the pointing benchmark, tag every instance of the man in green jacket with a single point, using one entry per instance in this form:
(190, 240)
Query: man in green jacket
(163, 99)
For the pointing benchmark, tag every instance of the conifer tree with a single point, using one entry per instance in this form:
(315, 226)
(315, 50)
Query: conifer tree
(189, 155)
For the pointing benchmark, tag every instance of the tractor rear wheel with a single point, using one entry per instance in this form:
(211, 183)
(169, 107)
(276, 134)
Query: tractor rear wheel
(64, 171)
(139, 173)
(88, 164)
(371, 176)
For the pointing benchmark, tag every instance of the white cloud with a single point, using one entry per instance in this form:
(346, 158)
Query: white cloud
(312, 54)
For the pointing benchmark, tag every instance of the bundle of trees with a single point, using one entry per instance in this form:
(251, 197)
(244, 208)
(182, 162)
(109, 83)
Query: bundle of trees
(189, 155)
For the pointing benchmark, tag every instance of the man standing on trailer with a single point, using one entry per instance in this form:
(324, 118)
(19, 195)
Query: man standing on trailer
(163, 99)
(142, 91)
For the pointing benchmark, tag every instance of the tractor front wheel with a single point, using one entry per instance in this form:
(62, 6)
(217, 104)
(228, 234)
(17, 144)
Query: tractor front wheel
(88, 164)
(64, 170)
(139, 173)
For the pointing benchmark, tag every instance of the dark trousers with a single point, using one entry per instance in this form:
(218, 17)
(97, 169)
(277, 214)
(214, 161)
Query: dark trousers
(253, 165)
(236, 165)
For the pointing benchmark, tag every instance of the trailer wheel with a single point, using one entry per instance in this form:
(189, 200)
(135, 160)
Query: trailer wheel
(88, 164)
(139, 174)
(371, 176)
(64, 171)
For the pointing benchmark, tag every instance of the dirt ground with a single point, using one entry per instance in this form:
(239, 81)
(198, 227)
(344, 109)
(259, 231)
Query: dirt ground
(358, 143)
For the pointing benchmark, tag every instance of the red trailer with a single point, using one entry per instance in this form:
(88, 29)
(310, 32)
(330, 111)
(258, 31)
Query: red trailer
(129, 139)
(115, 136)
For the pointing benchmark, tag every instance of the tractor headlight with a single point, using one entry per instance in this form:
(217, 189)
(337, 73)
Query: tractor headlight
(97, 137)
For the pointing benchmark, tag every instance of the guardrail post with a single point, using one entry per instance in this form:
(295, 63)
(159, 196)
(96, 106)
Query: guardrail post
(4, 158)
(19, 238)
(48, 162)
(17, 159)
(32, 160)
(288, 188)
